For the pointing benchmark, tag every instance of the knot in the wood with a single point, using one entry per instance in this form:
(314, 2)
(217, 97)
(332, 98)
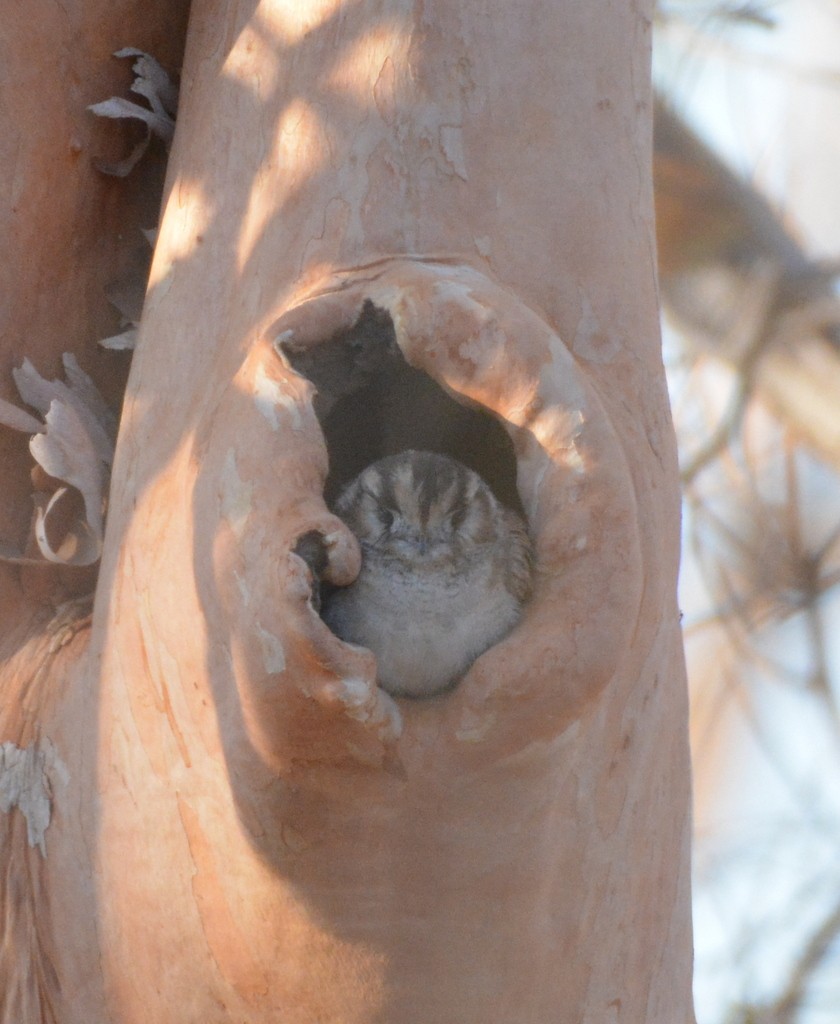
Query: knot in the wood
(419, 354)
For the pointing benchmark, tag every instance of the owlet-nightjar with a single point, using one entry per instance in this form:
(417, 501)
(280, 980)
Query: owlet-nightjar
(445, 570)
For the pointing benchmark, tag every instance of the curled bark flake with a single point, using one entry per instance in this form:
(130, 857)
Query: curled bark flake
(125, 341)
(153, 76)
(161, 94)
(122, 168)
(75, 446)
(118, 108)
(99, 422)
(79, 544)
(18, 419)
(67, 451)
(26, 782)
(92, 401)
(34, 389)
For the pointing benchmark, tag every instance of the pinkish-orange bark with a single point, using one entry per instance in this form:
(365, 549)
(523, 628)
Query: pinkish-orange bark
(244, 827)
(68, 232)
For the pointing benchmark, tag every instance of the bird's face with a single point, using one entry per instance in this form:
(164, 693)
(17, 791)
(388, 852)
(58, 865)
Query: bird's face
(419, 507)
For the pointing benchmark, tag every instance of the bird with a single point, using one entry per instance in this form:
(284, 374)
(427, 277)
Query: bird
(446, 570)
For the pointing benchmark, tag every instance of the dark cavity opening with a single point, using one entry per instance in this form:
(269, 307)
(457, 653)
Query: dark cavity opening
(371, 403)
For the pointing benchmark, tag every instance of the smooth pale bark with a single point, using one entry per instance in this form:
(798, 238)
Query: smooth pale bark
(244, 827)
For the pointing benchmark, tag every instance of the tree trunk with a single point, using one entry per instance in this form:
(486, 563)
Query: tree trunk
(244, 827)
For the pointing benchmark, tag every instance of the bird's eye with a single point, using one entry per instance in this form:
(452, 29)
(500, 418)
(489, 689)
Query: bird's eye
(457, 518)
(386, 516)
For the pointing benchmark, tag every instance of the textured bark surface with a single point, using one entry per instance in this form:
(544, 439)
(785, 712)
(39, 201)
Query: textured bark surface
(244, 827)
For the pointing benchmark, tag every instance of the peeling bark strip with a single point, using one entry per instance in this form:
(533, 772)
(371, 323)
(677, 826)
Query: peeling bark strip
(27, 777)
(75, 445)
(30, 990)
(154, 85)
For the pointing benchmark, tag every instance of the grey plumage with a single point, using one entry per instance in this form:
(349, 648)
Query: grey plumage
(445, 570)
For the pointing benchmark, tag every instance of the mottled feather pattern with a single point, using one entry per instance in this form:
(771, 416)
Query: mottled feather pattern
(520, 564)
(445, 570)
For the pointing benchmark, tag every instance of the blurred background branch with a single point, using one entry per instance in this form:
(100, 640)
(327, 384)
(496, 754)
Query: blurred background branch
(747, 147)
